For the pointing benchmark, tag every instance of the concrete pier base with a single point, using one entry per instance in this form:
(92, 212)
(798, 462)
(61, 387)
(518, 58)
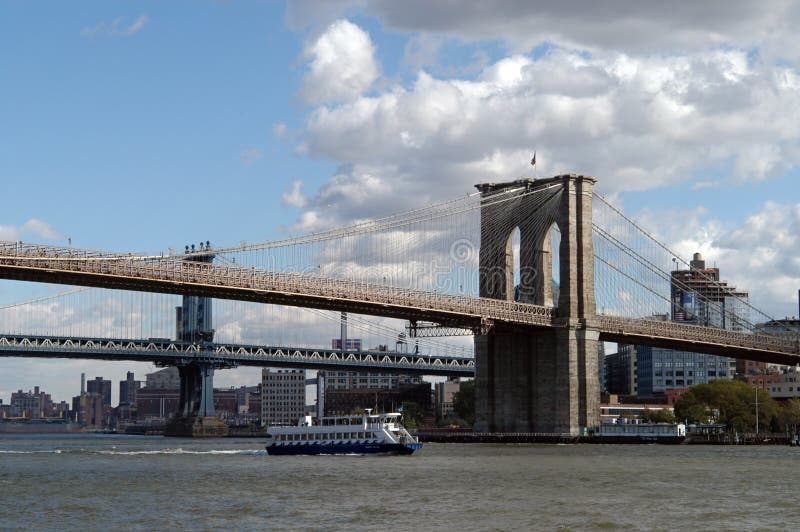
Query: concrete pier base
(541, 382)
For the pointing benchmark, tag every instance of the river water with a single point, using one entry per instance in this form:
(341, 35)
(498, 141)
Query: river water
(97, 482)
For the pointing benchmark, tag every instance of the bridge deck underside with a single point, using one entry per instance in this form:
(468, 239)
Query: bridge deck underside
(705, 347)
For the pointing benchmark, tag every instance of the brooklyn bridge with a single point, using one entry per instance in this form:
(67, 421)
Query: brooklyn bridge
(538, 271)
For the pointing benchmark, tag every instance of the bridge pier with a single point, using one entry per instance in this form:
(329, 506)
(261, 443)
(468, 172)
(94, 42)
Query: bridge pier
(543, 380)
(196, 417)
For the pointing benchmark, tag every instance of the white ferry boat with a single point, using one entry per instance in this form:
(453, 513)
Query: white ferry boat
(641, 433)
(366, 434)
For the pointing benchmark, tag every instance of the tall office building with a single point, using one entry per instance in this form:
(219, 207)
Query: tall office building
(128, 389)
(102, 387)
(283, 396)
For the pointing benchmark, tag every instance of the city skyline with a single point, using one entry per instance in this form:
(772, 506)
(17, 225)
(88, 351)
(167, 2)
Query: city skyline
(131, 129)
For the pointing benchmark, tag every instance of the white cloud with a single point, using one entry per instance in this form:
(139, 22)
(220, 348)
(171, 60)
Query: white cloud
(116, 28)
(701, 185)
(9, 233)
(342, 64)
(294, 197)
(760, 255)
(279, 129)
(250, 156)
(626, 25)
(41, 228)
(636, 124)
(34, 227)
(641, 95)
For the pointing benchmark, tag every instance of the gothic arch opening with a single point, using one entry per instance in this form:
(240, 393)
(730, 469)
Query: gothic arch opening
(514, 292)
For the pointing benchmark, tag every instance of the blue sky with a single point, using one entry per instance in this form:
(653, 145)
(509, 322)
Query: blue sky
(149, 125)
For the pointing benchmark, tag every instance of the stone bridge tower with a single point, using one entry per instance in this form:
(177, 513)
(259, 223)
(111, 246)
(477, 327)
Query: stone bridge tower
(545, 380)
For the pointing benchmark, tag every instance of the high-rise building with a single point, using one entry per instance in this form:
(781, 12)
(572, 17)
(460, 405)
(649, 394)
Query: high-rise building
(127, 389)
(88, 410)
(283, 396)
(31, 405)
(443, 394)
(701, 298)
(698, 297)
(620, 370)
(101, 387)
(658, 370)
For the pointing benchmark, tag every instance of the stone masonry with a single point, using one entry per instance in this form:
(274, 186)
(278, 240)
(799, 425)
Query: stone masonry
(544, 380)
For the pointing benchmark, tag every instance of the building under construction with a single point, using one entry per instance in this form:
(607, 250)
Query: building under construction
(700, 297)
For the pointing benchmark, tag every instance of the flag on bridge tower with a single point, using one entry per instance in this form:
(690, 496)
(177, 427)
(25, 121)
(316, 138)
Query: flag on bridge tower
(533, 161)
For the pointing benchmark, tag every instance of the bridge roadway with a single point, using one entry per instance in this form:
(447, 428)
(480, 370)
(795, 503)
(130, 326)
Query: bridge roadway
(164, 351)
(30, 262)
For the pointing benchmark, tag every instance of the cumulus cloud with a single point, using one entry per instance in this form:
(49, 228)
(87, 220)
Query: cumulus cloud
(116, 28)
(634, 123)
(294, 197)
(623, 25)
(32, 228)
(342, 64)
(760, 255)
(640, 95)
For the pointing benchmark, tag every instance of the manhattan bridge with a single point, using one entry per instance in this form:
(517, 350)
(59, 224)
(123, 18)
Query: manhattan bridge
(537, 272)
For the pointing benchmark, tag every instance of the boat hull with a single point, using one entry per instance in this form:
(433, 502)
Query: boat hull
(344, 448)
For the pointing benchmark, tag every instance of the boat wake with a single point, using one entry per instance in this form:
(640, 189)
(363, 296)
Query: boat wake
(117, 452)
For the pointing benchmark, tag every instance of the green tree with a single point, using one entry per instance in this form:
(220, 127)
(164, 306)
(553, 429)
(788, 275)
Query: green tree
(732, 403)
(789, 414)
(464, 402)
(657, 416)
(412, 415)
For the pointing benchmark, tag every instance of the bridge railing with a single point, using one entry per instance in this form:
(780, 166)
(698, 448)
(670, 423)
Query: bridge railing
(461, 307)
(668, 329)
(33, 250)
